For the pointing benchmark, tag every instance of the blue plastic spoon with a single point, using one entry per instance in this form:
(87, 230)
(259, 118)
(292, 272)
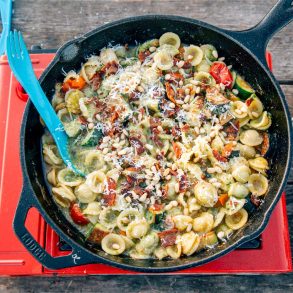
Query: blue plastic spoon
(6, 14)
(20, 63)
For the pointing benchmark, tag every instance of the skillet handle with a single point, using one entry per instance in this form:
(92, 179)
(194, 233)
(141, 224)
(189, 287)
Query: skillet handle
(26, 202)
(257, 38)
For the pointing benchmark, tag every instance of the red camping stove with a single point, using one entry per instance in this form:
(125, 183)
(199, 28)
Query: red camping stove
(269, 253)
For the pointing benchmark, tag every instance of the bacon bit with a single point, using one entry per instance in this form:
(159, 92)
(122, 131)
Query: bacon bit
(185, 128)
(114, 117)
(176, 132)
(158, 166)
(168, 237)
(232, 130)
(143, 55)
(157, 140)
(155, 122)
(132, 169)
(174, 173)
(181, 52)
(176, 76)
(219, 157)
(110, 195)
(97, 235)
(96, 81)
(82, 120)
(165, 189)
(130, 179)
(177, 150)
(255, 200)
(223, 198)
(137, 144)
(265, 144)
(170, 92)
(199, 103)
(109, 68)
(227, 150)
(248, 102)
(186, 65)
(183, 183)
(156, 207)
(142, 111)
(122, 232)
(139, 190)
(180, 93)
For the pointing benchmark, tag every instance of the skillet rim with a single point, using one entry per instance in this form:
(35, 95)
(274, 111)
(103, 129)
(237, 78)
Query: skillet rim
(242, 239)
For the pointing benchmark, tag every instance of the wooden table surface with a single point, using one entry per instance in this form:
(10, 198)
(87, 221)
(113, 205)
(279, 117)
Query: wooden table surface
(52, 22)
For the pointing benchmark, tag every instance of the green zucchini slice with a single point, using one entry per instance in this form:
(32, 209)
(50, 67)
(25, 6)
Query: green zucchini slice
(244, 88)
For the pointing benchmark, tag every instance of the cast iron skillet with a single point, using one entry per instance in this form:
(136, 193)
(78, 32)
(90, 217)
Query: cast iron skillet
(245, 50)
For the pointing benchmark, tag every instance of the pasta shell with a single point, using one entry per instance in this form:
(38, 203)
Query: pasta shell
(137, 229)
(223, 231)
(51, 155)
(67, 177)
(126, 217)
(239, 109)
(204, 78)
(233, 205)
(263, 122)
(148, 243)
(72, 98)
(92, 209)
(219, 217)
(189, 242)
(108, 217)
(238, 190)
(169, 49)
(71, 75)
(137, 255)
(258, 184)
(206, 194)
(237, 220)
(243, 121)
(251, 137)
(128, 242)
(174, 251)
(63, 195)
(255, 107)
(51, 177)
(195, 52)
(89, 69)
(160, 252)
(181, 222)
(95, 159)
(163, 60)
(210, 52)
(96, 181)
(108, 55)
(248, 152)
(84, 193)
(204, 223)
(241, 173)
(113, 244)
(203, 66)
(259, 164)
(170, 38)
(193, 205)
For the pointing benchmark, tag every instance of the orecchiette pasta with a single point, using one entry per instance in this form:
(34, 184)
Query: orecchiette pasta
(204, 223)
(258, 184)
(237, 220)
(172, 144)
(96, 181)
(113, 244)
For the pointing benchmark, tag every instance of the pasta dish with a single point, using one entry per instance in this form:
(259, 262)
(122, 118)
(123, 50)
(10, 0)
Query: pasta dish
(173, 142)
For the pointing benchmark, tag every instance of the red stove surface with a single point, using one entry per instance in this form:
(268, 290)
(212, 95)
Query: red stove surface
(273, 255)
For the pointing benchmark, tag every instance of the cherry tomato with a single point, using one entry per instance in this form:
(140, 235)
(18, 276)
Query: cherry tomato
(220, 72)
(73, 83)
(77, 215)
